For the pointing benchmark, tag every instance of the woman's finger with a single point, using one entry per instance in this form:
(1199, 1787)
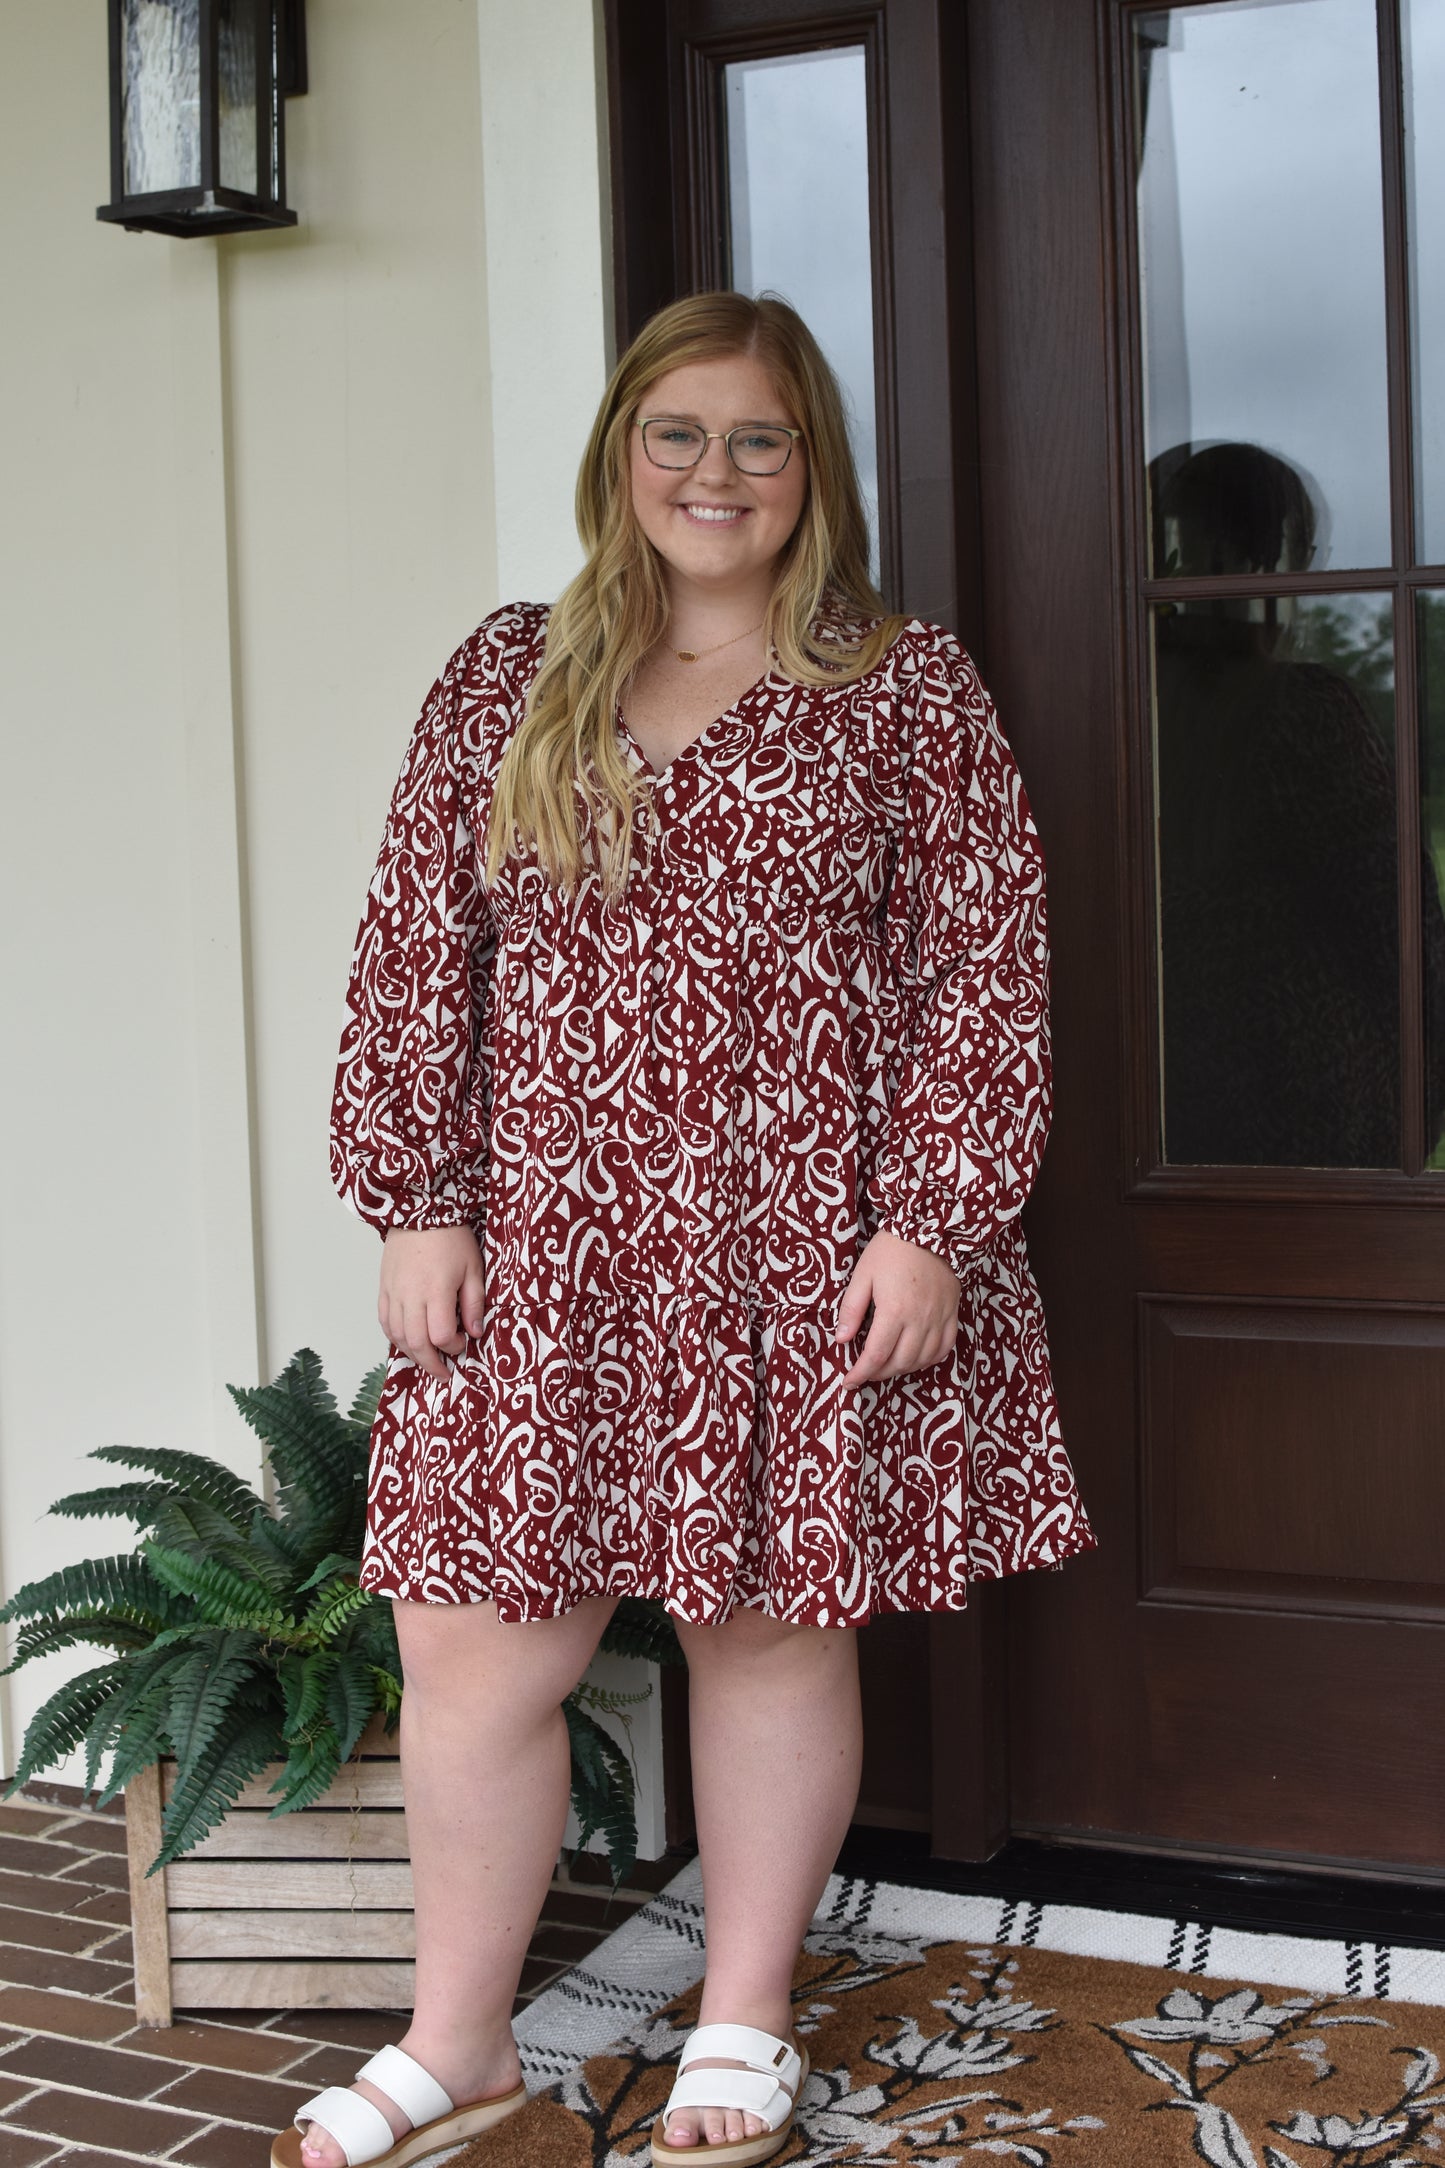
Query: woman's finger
(472, 1293)
(877, 1350)
(418, 1341)
(441, 1322)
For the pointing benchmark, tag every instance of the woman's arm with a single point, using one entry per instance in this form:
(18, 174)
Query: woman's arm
(964, 925)
(411, 1104)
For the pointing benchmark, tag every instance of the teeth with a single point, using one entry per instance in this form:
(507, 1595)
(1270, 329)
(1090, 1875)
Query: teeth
(711, 512)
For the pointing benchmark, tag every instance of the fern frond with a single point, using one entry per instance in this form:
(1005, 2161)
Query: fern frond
(610, 1699)
(278, 1554)
(202, 1690)
(139, 1741)
(334, 1606)
(304, 1681)
(641, 1628)
(351, 1700)
(333, 1562)
(310, 1768)
(43, 1637)
(602, 1789)
(239, 1751)
(363, 1408)
(123, 1586)
(221, 1596)
(136, 1502)
(204, 1480)
(388, 1694)
(304, 1379)
(195, 1526)
(60, 1724)
(373, 1637)
(312, 1450)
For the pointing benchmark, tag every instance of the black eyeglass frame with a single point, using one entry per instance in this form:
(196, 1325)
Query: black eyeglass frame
(645, 422)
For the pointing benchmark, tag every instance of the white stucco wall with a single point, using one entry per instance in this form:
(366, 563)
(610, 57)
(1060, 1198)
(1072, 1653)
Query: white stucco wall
(256, 491)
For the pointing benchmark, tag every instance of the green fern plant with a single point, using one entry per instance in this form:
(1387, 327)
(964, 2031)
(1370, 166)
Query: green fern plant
(240, 1635)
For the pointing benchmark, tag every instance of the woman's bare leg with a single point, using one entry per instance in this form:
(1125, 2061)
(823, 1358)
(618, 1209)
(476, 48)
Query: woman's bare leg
(485, 1767)
(777, 1745)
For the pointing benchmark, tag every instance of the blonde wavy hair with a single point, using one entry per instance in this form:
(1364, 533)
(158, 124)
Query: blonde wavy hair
(825, 619)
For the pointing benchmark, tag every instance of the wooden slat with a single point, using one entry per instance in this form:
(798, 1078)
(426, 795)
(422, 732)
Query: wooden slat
(149, 1925)
(292, 1934)
(293, 1885)
(208, 1984)
(313, 1834)
(374, 1783)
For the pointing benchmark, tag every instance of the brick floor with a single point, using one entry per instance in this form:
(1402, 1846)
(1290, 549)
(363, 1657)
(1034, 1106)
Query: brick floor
(82, 2084)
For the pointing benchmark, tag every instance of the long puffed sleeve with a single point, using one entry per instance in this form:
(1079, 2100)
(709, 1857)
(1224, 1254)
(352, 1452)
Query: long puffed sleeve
(965, 934)
(411, 1111)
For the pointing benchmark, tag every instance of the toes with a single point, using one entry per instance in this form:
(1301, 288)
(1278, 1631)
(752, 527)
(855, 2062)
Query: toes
(682, 2130)
(319, 2149)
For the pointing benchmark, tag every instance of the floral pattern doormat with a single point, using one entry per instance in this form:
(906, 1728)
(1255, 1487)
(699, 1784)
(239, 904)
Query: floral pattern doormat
(946, 2028)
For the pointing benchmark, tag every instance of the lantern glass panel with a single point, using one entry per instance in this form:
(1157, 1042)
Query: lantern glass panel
(161, 94)
(239, 55)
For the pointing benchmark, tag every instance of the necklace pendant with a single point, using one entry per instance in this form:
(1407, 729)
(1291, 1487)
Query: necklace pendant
(684, 654)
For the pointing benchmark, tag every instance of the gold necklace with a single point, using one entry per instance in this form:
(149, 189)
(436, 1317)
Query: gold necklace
(695, 654)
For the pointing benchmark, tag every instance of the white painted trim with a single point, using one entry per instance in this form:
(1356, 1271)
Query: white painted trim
(206, 638)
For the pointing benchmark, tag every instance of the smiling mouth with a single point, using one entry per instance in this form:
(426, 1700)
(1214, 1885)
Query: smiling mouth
(714, 515)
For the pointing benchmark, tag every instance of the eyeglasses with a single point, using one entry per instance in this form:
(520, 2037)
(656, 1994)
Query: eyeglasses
(753, 447)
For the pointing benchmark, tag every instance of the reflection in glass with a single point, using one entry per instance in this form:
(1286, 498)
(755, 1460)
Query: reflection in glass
(161, 94)
(237, 55)
(1431, 626)
(1262, 255)
(797, 139)
(1423, 24)
(1278, 916)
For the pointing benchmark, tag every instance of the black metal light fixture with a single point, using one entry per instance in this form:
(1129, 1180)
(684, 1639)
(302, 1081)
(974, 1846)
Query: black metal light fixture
(197, 113)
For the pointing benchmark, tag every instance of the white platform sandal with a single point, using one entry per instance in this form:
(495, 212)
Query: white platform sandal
(362, 2131)
(768, 2087)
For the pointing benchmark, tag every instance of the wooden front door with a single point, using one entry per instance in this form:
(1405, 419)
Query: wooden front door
(1211, 360)
(1160, 386)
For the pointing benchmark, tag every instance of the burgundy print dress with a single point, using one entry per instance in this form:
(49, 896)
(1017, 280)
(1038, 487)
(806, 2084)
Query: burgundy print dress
(674, 1121)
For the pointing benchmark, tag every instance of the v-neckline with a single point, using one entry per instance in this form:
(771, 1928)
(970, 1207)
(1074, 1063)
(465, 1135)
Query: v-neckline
(661, 775)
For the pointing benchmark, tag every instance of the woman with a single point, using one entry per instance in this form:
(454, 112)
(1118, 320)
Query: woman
(697, 1021)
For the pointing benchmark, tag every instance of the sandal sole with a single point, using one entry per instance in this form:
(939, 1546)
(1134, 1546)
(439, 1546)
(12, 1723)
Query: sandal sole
(427, 2138)
(738, 2153)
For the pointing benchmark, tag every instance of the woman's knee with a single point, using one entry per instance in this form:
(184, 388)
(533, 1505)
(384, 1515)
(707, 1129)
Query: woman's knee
(454, 1653)
(753, 1637)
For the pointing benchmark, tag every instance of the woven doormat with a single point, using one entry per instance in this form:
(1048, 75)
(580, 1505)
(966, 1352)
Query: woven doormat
(944, 2028)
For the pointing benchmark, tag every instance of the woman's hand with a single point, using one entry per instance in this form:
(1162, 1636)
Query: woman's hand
(915, 1298)
(431, 1292)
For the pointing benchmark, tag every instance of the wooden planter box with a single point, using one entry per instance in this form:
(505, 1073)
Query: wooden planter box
(308, 1912)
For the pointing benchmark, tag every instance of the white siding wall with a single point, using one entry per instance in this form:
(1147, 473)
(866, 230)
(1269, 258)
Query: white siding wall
(255, 492)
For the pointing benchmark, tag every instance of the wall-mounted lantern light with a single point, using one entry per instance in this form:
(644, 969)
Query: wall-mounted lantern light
(197, 113)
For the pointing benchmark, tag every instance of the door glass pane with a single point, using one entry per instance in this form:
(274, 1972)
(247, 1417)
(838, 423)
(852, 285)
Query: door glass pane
(797, 143)
(1423, 22)
(1275, 757)
(1431, 622)
(1262, 260)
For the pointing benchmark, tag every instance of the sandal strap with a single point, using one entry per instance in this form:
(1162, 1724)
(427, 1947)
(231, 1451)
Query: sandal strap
(751, 2091)
(359, 2128)
(746, 2044)
(402, 2078)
